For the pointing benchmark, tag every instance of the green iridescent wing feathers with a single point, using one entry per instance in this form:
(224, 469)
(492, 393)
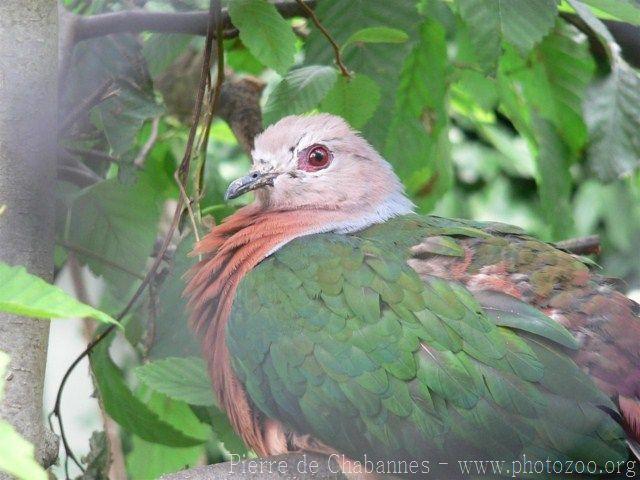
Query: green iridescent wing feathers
(336, 336)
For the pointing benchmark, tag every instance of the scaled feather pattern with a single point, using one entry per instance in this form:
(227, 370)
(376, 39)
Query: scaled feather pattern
(411, 337)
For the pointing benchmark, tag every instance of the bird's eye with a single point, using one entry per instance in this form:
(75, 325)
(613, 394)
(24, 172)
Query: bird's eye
(314, 158)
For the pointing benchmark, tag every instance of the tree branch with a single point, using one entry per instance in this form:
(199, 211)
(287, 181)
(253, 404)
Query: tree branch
(80, 27)
(292, 466)
(626, 35)
(28, 105)
(581, 246)
(134, 21)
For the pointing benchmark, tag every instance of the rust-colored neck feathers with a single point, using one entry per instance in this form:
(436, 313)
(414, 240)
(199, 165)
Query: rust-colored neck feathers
(229, 252)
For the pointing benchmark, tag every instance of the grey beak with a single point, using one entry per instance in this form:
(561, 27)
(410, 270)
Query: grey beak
(249, 182)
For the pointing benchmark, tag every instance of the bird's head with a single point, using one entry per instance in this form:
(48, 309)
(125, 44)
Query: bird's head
(318, 162)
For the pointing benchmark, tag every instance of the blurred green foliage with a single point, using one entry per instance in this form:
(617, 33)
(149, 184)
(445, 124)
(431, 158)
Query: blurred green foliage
(487, 110)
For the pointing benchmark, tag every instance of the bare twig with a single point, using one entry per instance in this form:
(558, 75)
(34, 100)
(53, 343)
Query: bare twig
(82, 177)
(149, 144)
(100, 95)
(625, 34)
(83, 251)
(150, 334)
(213, 101)
(184, 196)
(336, 48)
(581, 246)
(91, 154)
(183, 172)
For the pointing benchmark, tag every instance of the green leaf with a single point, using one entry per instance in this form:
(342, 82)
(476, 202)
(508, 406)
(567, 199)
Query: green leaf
(265, 33)
(599, 28)
(377, 35)
(300, 91)
(117, 119)
(173, 337)
(160, 50)
(353, 99)
(240, 59)
(623, 10)
(112, 228)
(183, 379)
(522, 23)
(569, 68)
(612, 109)
(121, 117)
(612, 114)
(382, 62)
(554, 179)
(418, 145)
(30, 296)
(16, 454)
(126, 409)
(150, 460)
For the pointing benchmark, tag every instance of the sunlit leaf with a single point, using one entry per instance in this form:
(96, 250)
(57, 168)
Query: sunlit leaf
(377, 35)
(17, 455)
(623, 10)
(30, 296)
(151, 460)
(265, 33)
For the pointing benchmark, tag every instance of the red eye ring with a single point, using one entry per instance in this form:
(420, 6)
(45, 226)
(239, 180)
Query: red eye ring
(314, 158)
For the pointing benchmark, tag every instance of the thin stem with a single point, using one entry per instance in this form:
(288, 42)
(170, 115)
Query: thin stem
(214, 100)
(101, 94)
(106, 261)
(336, 48)
(149, 144)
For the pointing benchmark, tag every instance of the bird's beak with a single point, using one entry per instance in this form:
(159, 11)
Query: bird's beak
(249, 182)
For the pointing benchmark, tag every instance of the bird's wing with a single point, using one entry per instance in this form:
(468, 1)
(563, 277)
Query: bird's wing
(513, 276)
(337, 337)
